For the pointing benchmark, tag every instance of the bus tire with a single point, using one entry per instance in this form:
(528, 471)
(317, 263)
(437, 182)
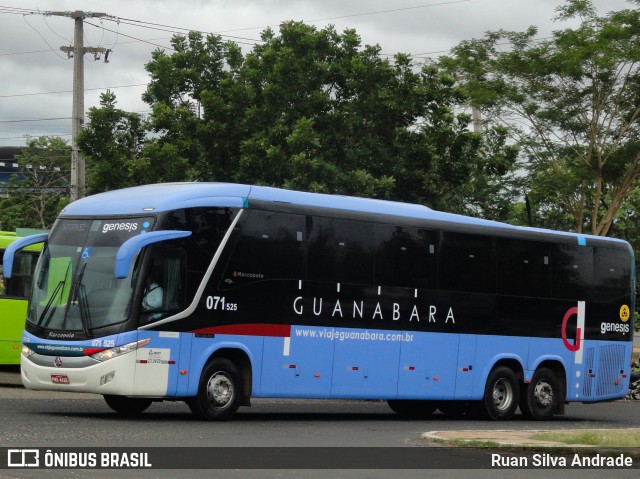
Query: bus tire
(412, 408)
(540, 398)
(219, 392)
(127, 406)
(501, 395)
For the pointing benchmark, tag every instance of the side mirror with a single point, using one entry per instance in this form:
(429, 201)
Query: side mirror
(130, 248)
(13, 248)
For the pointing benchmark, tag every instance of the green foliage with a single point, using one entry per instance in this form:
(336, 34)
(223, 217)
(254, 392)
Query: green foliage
(112, 141)
(40, 187)
(571, 103)
(315, 110)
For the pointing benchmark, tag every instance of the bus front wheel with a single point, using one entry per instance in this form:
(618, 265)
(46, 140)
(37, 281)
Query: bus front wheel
(540, 399)
(219, 391)
(501, 395)
(127, 406)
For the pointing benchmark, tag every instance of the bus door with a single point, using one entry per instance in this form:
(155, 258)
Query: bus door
(158, 363)
(466, 362)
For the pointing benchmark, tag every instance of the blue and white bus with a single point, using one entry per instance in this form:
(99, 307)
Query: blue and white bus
(262, 292)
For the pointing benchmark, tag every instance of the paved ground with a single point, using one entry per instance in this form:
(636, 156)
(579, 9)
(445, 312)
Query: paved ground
(10, 378)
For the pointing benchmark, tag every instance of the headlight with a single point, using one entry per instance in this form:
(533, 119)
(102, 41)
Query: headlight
(119, 350)
(27, 351)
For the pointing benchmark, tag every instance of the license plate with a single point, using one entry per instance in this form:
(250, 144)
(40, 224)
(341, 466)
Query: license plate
(59, 379)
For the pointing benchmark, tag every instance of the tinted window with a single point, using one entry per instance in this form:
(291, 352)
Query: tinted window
(270, 246)
(19, 285)
(612, 274)
(572, 271)
(524, 268)
(208, 227)
(405, 256)
(163, 292)
(340, 250)
(466, 263)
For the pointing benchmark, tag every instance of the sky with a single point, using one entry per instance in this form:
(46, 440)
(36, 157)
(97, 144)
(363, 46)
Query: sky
(36, 76)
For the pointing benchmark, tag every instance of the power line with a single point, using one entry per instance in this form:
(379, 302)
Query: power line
(392, 10)
(377, 12)
(33, 135)
(36, 119)
(180, 30)
(119, 43)
(155, 26)
(24, 53)
(129, 36)
(24, 17)
(172, 29)
(71, 91)
(15, 10)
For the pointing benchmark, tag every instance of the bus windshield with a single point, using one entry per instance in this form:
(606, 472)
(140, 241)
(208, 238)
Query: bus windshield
(75, 288)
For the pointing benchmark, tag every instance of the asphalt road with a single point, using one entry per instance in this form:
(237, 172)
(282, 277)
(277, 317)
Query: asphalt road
(45, 419)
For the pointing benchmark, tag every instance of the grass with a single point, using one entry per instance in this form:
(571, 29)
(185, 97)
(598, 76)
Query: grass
(601, 437)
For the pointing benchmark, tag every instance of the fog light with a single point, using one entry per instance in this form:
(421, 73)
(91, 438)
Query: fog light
(107, 378)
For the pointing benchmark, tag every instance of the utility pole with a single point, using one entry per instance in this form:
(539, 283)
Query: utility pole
(477, 119)
(78, 180)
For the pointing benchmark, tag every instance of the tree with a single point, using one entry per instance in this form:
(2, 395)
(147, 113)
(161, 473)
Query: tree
(315, 110)
(40, 188)
(113, 140)
(306, 109)
(572, 104)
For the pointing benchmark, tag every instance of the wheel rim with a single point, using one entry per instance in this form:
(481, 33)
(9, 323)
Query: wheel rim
(543, 394)
(220, 391)
(502, 394)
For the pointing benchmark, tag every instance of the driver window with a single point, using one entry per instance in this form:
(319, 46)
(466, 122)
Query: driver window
(163, 291)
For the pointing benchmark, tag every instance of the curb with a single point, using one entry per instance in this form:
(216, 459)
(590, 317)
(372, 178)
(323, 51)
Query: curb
(510, 438)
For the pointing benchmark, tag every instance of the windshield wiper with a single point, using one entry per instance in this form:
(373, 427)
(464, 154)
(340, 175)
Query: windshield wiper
(59, 286)
(49, 303)
(83, 303)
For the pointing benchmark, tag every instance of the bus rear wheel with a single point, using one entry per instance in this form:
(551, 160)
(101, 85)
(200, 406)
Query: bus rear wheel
(127, 406)
(501, 395)
(539, 400)
(219, 391)
(412, 408)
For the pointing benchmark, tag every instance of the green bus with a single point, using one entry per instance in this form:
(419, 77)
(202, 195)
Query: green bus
(14, 295)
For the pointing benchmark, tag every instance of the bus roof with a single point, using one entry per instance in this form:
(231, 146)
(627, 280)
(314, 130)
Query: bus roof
(149, 199)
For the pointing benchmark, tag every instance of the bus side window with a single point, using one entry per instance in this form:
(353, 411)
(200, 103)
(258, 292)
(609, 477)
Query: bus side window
(612, 273)
(523, 268)
(340, 250)
(270, 246)
(572, 272)
(466, 263)
(405, 256)
(164, 285)
(19, 286)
